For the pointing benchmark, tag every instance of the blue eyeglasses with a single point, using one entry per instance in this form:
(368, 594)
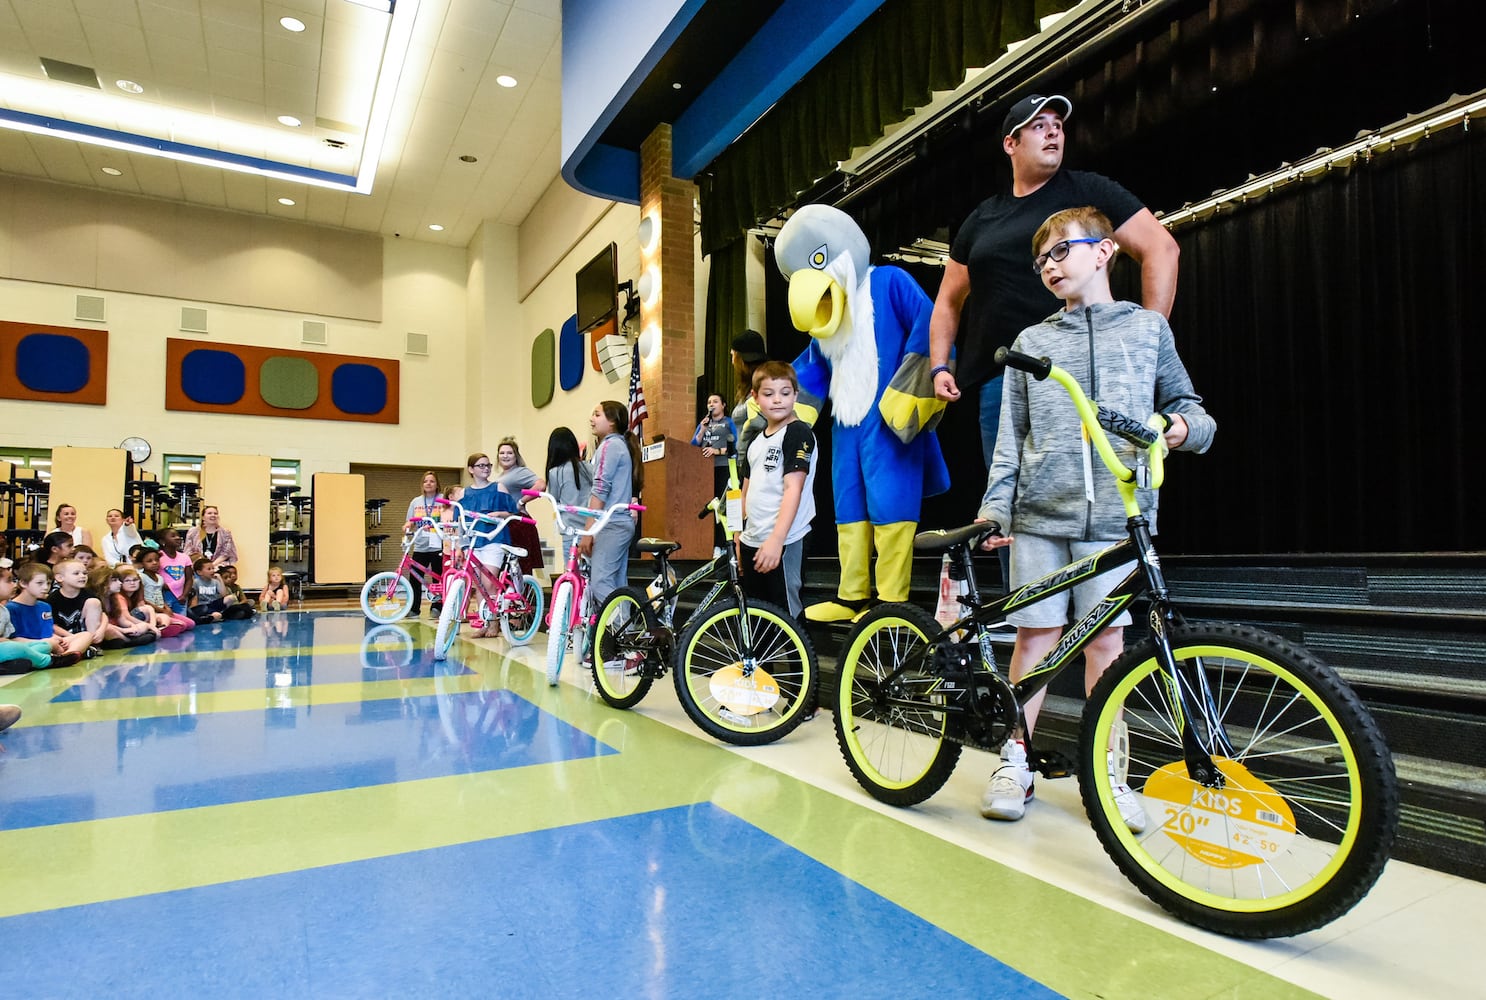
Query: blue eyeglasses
(1060, 250)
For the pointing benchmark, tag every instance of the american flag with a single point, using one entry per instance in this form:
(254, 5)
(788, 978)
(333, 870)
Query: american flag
(637, 409)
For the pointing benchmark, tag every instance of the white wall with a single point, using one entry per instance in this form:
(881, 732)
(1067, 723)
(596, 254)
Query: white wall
(423, 291)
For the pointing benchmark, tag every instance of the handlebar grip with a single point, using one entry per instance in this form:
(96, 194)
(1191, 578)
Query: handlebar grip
(443, 501)
(531, 493)
(636, 506)
(1038, 368)
(1130, 429)
(705, 512)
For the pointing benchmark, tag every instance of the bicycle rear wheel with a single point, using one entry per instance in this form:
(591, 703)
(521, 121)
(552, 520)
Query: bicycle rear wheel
(890, 712)
(623, 647)
(522, 616)
(747, 701)
(559, 630)
(451, 616)
(1300, 826)
(387, 597)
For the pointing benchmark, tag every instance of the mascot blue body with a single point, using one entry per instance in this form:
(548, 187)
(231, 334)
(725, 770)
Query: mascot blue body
(869, 353)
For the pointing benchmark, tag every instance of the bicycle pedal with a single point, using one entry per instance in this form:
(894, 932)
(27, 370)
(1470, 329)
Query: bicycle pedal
(1050, 763)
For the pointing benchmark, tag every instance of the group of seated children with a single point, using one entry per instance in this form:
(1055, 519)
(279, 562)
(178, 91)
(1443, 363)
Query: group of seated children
(69, 605)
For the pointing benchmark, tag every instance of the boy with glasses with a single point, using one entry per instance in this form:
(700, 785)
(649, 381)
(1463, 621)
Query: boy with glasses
(1043, 486)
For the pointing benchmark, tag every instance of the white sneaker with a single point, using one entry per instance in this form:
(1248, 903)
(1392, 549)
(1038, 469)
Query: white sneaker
(1010, 790)
(1131, 811)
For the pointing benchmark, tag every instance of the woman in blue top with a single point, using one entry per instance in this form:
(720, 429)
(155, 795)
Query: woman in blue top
(617, 478)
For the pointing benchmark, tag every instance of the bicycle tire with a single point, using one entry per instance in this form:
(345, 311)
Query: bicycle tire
(621, 623)
(451, 616)
(386, 597)
(519, 625)
(710, 646)
(558, 631)
(1303, 825)
(899, 753)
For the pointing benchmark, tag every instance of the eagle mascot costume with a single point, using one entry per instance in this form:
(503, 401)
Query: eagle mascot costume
(869, 353)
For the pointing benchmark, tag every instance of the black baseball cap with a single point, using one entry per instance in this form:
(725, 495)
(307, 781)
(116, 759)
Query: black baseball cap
(1030, 107)
(750, 347)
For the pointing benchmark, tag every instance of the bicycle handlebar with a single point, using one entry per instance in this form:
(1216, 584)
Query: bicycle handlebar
(602, 517)
(497, 522)
(1096, 418)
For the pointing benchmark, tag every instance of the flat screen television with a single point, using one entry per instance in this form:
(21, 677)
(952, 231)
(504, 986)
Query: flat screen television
(598, 289)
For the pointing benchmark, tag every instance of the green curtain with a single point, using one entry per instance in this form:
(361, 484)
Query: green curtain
(876, 77)
(727, 316)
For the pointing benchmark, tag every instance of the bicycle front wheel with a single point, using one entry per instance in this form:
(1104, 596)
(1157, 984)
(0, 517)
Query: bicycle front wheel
(623, 649)
(451, 615)
(890, 712)
(559, 630)
(522, 615)
(1299, 826)
(751, 695)
(387, 597)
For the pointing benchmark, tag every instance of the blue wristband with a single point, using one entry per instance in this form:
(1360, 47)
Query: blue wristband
(934, 372)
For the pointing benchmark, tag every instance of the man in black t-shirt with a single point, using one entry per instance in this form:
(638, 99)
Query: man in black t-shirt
(992, 256)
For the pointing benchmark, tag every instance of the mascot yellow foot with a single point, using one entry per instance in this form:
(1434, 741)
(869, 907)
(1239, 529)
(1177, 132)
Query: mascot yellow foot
(894, 545)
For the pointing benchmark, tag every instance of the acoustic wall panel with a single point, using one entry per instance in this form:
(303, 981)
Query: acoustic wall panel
(570, 355)
(57, 364)
(542, 356)
(268, 382)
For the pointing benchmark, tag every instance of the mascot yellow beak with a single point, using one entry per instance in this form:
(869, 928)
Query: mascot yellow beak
(817, 304)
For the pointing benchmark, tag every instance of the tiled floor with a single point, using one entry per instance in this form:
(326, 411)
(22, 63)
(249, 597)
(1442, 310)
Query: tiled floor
(309, 806)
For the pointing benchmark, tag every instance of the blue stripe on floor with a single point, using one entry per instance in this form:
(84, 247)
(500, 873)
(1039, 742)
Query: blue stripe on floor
(81, 771)
(697, 903)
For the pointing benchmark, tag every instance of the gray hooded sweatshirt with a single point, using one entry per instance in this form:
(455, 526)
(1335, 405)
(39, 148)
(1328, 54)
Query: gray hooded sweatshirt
(1036, 483)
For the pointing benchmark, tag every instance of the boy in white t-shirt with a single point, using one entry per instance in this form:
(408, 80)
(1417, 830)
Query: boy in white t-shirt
(778, 474)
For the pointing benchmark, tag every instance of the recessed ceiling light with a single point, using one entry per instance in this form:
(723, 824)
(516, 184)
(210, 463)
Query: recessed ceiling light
(112, 171)
(129, 86)
(675, 86)
(286, 201)
(506, 81)
(291, 23)
(467, 158)
(436, 228)
(289, 120)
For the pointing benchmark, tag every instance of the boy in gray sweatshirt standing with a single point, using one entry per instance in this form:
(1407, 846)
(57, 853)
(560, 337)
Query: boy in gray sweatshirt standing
(1046, 486)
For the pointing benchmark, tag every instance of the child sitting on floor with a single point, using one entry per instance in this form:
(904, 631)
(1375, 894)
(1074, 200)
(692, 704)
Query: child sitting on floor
(31, 615)
(234, 595)
(156, 594)
(73, 608)
(20, 655)
(275, 596)
(119, 631)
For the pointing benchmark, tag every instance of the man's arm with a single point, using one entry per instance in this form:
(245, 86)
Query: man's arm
(1152, 247)
(944, 323)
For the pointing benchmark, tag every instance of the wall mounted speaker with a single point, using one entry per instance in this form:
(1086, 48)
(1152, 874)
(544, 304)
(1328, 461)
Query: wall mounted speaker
(91, 308)
(314, 332)
(193, 320)
(418, 344)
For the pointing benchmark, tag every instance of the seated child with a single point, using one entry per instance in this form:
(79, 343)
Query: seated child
(55, 547)
(174, 564)
(156, 594)
(121, 631)
(275, 596)
(235, 596)
(72, 608)
(85, 555)
(31, 615)
(130, 600)
(20, 655)
(208, 600)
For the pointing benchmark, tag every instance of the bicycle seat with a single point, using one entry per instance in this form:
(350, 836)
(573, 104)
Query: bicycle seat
(514, 550)
(941, 540)
(657, 546)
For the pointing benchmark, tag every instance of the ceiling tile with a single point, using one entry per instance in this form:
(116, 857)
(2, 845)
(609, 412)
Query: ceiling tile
(17, 156)
(38, 17)
(244, 15)
(203, 185)
(158, 177)
(163, 21)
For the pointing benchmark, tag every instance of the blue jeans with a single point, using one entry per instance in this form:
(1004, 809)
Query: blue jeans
(990, 424)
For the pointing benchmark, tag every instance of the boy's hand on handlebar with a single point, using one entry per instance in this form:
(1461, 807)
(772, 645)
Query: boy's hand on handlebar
(585, 545)
(1176, 434)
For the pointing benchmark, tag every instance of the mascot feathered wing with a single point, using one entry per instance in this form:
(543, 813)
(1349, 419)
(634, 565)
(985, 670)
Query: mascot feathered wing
(869, 352)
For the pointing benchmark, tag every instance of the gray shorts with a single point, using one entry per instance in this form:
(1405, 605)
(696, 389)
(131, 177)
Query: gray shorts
(1035, 556)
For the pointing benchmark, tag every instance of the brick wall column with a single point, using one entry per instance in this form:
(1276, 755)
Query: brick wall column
(679, 485)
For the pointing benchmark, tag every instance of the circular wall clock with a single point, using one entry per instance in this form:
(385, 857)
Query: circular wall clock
(137, 447)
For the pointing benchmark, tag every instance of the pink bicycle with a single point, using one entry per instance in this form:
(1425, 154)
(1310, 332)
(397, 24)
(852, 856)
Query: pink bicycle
(500, 592)
(387, 596)
(570, 615)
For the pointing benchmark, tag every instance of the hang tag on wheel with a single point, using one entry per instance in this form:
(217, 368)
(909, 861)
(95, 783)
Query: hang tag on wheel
(735, 510)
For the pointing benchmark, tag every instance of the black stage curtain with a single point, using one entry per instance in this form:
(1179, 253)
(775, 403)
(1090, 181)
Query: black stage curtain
(1329, 329)
(727, 316)
(890, 65)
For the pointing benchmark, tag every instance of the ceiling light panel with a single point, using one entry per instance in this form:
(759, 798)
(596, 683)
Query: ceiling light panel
(224, 85)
